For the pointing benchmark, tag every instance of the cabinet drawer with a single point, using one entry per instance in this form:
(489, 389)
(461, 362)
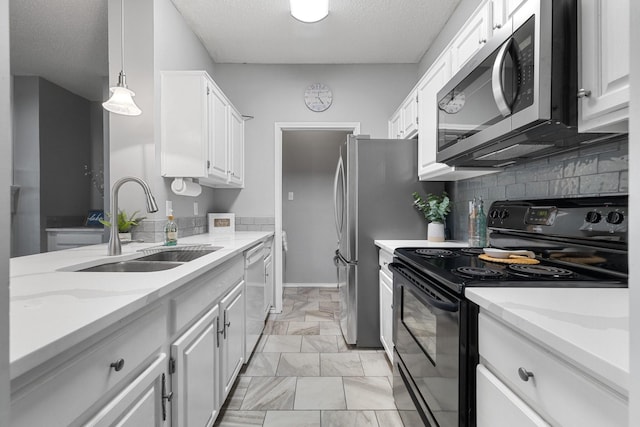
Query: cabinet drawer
(557, 390)
(68, 391)
(204, 292)
(385, 258)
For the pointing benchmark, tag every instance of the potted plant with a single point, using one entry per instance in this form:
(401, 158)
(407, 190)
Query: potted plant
(125, 223)
(435, 209)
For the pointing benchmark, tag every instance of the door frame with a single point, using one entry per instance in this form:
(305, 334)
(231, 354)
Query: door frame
(281, 127)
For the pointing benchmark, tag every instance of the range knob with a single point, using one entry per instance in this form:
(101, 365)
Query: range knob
(494, 214)
(504, 214)
(615, 217)
(593, 217)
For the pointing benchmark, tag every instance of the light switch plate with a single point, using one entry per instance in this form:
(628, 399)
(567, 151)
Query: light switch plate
(195, 208)
(290, 195)
(168, 208)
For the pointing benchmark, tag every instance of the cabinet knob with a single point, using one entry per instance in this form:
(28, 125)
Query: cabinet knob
(524, 374)
(482, 41)
(117, 365)
(584, 93)
(497, 27)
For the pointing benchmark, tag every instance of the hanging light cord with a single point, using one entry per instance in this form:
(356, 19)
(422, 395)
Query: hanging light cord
(121, 78)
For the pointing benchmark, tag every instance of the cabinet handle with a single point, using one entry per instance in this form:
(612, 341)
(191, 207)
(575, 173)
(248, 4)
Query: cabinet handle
(117, 365)
(219, 331)
(584, 93)
(225, 325)
(524, 374)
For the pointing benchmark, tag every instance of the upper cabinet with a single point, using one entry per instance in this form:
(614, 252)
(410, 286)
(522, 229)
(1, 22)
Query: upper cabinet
(473, 35)
(202, 134)
(604, 66)
(404, 122)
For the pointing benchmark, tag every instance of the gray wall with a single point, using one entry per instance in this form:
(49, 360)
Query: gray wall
(274, 93)
(591, 171)
(52, 145)
(309, 161)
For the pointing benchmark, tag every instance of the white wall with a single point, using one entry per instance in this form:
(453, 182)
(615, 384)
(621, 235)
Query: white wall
(5, 181)
(156, 38)
(309, 160)
(368, 94)
(634, 228)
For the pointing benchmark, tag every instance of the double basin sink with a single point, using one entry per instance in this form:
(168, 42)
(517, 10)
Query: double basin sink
(158, 261)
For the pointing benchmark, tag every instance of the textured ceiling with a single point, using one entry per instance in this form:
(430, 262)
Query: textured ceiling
(356, 31)
(65, 41)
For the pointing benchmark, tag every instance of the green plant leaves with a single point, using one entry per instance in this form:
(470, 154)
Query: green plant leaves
(435, 208)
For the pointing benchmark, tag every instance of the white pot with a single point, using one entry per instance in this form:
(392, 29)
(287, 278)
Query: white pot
(125, 237)
(435, 232)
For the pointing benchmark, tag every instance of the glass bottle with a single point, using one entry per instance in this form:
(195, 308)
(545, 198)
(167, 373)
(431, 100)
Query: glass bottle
(170, 232)
(481, 225)
(473, 237)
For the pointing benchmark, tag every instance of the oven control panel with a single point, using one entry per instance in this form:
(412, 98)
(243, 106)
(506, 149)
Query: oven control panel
(541, 215)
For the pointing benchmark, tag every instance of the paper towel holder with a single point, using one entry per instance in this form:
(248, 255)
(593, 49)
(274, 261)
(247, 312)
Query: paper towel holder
(185, 187)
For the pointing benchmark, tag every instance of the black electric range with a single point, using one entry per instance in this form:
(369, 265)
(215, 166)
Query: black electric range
(577, 243)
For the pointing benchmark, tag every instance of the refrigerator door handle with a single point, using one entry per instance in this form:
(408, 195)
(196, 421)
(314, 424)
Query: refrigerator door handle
(338, 216)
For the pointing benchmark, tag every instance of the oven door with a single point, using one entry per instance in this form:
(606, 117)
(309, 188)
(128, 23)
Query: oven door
(427, 344)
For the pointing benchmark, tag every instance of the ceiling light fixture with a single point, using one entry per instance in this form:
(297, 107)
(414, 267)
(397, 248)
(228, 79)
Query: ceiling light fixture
(121, 100)
(309, 10)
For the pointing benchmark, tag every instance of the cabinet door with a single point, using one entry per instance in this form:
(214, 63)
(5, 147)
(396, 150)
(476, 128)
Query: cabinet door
(194, 378)
(236, 174)
(185, 124)
(141, 403)
(502, 11)
(386, 314)
(604, 65)
(232, 313)
(269, 283)
(498, 406)
(409, 111)
(428, 88)
(218, 155)
(473, 36)
(395, 123)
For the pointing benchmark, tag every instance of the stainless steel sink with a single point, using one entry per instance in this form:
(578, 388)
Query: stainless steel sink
(175, 255)
(132, 266)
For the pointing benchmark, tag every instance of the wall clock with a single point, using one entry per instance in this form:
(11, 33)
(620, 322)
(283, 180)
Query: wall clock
(453, 102)
(318, 97)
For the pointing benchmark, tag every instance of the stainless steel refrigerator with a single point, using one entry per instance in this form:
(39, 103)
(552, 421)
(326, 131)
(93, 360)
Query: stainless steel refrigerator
(372, 199)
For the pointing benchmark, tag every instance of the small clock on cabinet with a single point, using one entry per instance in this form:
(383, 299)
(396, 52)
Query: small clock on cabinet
(318, 97)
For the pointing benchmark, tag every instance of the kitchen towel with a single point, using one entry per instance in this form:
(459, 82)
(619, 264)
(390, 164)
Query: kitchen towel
(185, 187)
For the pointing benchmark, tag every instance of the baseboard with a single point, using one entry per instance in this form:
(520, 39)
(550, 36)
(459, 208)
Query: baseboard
(310, 285)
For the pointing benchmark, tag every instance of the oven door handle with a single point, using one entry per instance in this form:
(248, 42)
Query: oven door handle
(413, 280)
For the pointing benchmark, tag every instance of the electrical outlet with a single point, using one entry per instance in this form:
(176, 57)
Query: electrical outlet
(290, 195)
(195, 208)
(168, 208)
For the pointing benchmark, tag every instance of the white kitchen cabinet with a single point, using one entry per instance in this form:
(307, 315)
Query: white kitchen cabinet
(236, 150)
(395, 124)
(428, 168)
(498, 406)
(553, 387)
(232, 346)
(604, 66)
(404, 122)
(200, 136)
(502, 11)
(143, 403)
(473, 36)
(195, 372)
(269, 283)
(386, 303)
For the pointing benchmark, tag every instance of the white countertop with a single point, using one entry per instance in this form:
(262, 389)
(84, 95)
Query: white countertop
(588, 327)
(392, 245)
(52, 310)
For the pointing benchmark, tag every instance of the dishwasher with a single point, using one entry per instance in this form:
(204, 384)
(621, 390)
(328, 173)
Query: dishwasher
(255, 283)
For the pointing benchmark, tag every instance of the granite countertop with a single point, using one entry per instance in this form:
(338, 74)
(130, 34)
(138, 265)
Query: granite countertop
(392, 245)
(586, 326)
(52, 310)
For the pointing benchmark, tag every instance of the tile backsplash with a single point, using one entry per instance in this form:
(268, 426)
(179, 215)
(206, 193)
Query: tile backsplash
(152, 230)
(591, 171)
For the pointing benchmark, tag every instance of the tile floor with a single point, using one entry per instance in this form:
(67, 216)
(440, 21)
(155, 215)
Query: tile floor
(303, 374)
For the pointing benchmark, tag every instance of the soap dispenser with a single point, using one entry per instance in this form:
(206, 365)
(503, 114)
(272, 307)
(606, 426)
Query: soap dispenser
(170, 232)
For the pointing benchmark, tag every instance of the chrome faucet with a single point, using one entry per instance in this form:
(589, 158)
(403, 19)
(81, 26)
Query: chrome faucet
(115, 248)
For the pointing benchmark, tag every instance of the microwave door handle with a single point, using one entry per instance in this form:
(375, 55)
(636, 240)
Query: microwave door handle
(496, 79)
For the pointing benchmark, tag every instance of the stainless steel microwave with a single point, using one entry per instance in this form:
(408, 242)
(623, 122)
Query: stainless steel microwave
(516, 99)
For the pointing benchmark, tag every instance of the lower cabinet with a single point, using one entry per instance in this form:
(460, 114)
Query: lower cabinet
(386, 314)
(232, 313)
(143, 403)
(195, 372)
(269, 284)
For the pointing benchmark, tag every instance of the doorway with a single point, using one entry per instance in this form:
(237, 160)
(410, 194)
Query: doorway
(298, 129)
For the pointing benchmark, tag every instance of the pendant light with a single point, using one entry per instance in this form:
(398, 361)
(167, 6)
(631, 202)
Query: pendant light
(309, 11)
(121, 100)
